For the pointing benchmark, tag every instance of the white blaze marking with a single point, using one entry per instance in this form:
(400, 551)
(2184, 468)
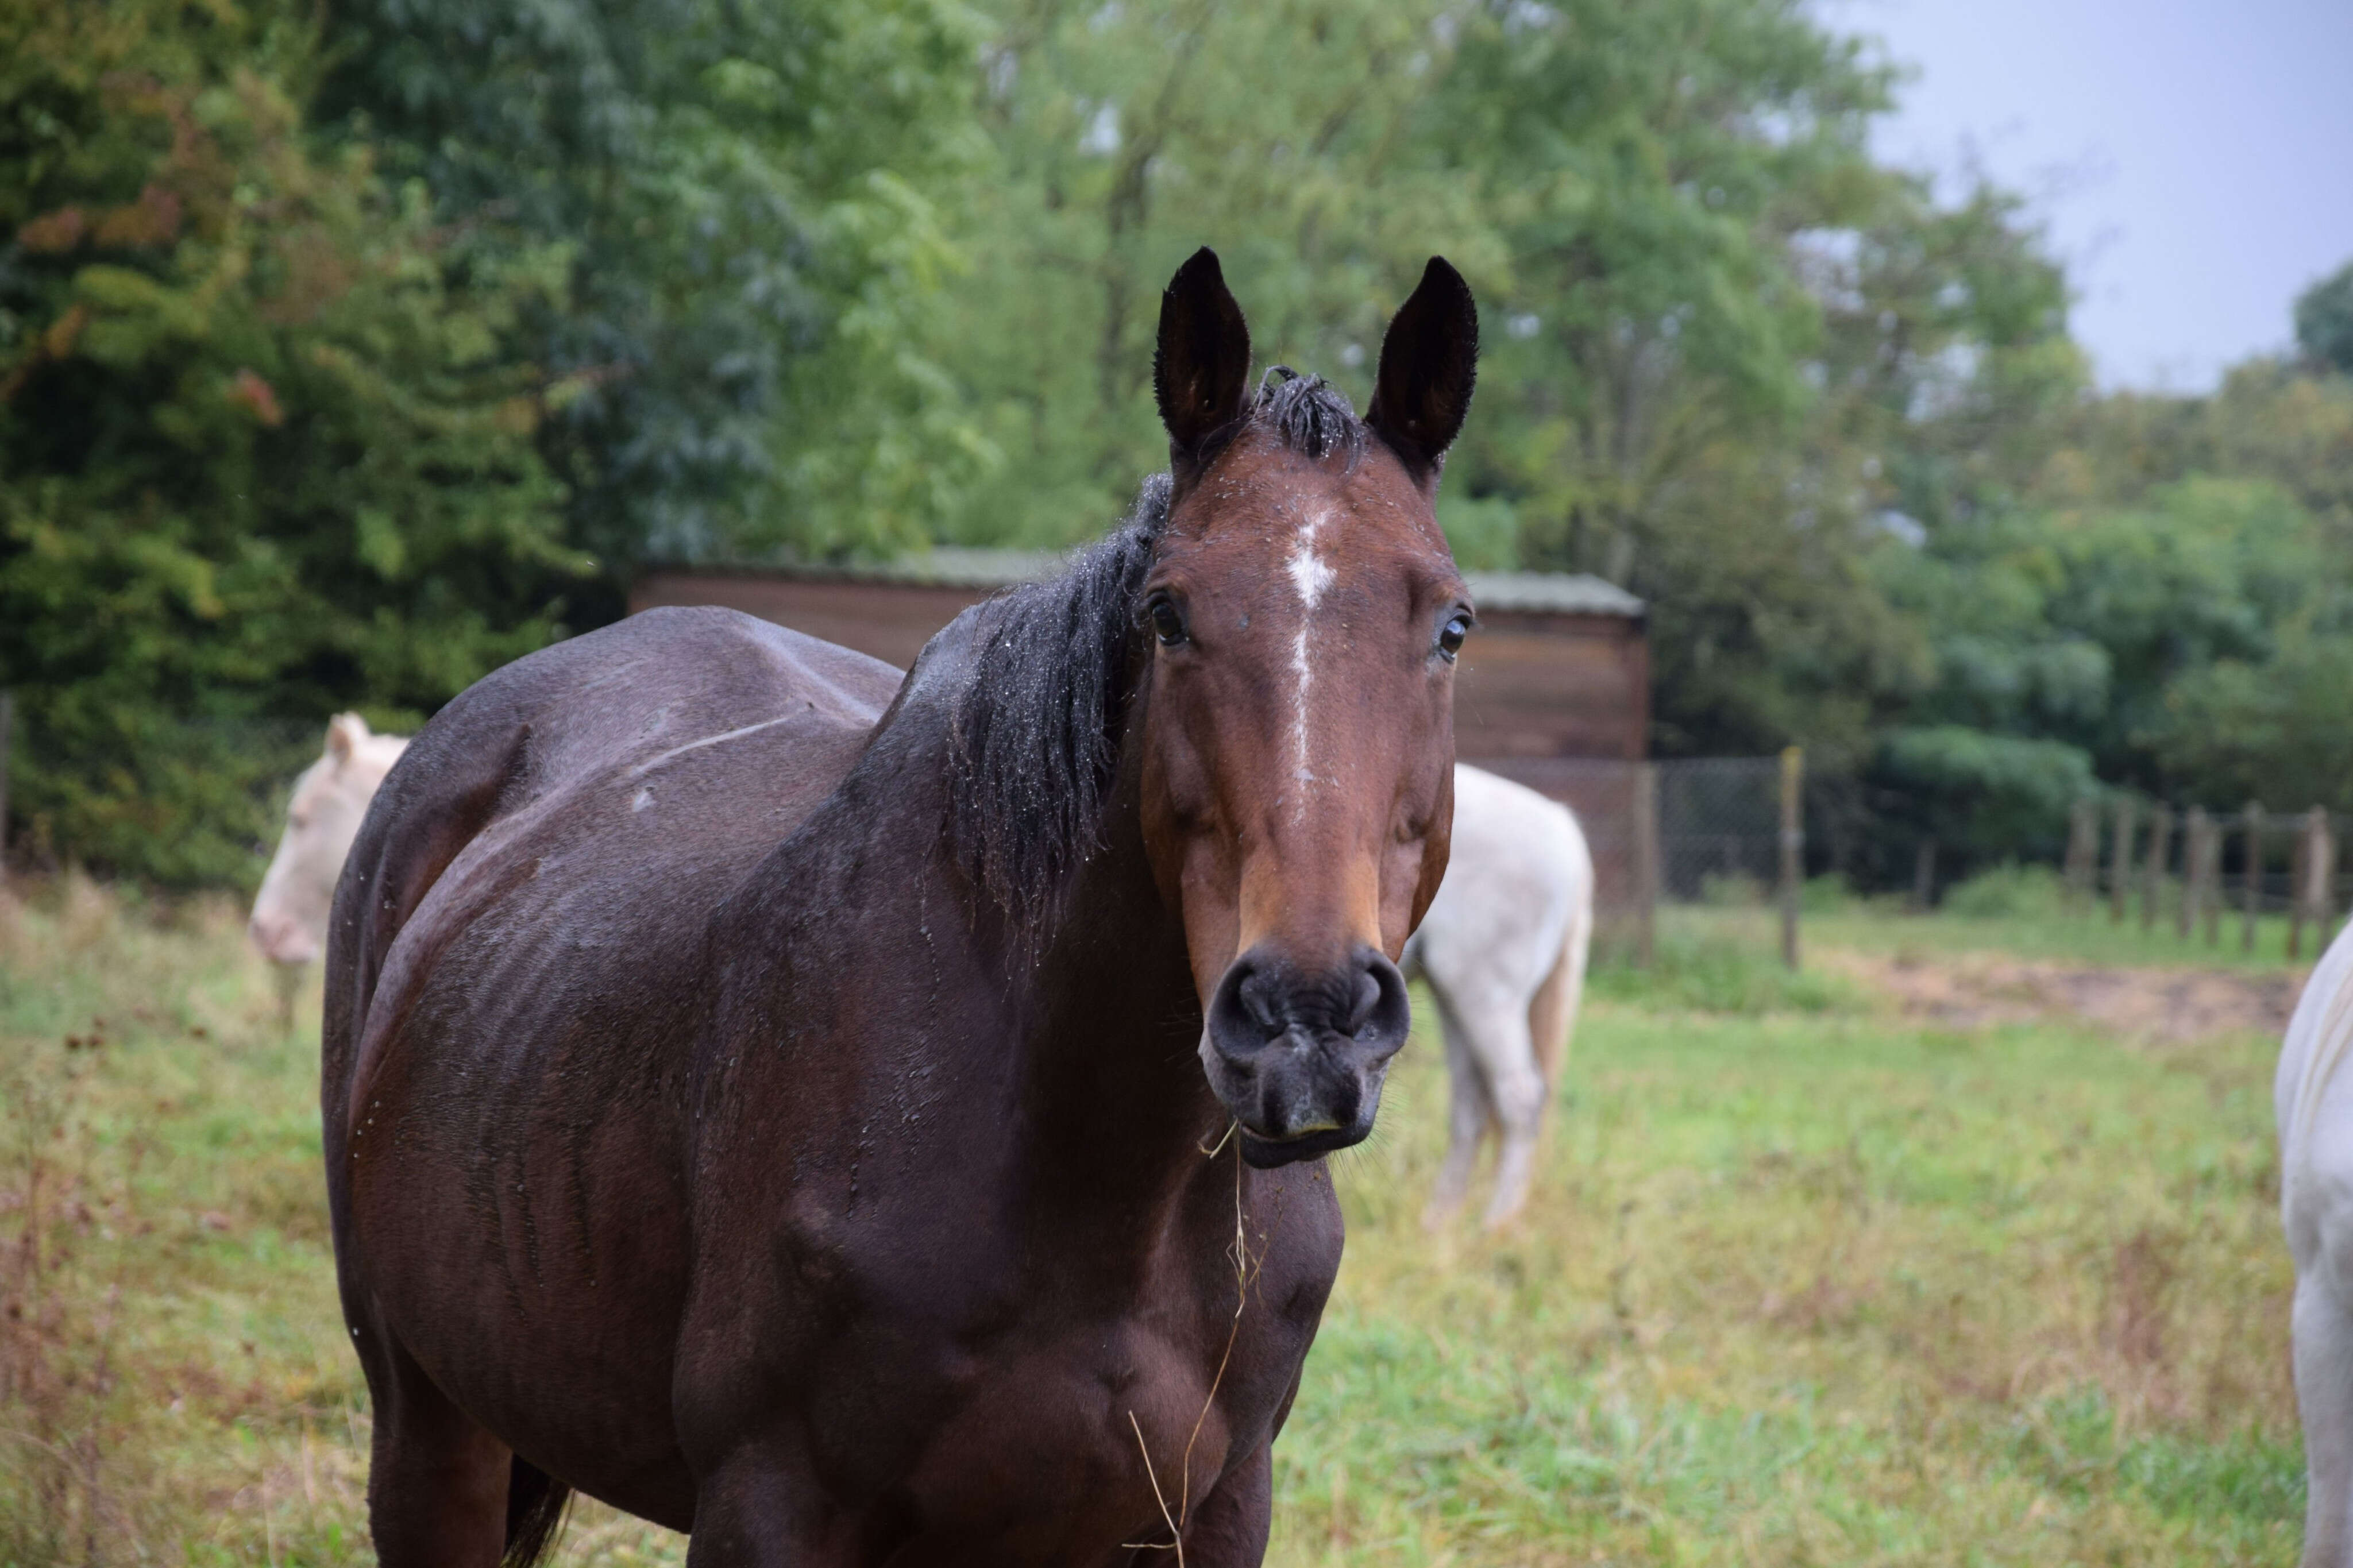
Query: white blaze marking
(1309, 572)
(1311, 575)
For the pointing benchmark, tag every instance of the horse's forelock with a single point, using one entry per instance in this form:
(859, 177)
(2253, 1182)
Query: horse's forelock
(1307, 414)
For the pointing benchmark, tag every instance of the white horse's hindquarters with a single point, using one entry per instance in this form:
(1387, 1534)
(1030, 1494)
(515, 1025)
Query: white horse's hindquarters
(1517, 873)
(1517, 905)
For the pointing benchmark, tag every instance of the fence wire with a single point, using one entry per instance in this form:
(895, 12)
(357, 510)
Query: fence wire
(1696, 831)
(2199, 872)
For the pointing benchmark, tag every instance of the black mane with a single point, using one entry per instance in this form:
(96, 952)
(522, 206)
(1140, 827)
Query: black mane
(1032, 744)
(1034, 734)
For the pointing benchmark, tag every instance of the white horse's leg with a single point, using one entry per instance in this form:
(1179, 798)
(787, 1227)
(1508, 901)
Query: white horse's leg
(2324, 1395)
(1515, 1087)
(1468, 1114)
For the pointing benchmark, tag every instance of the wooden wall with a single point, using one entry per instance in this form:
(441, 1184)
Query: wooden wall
(1537, 685)
(891, 621)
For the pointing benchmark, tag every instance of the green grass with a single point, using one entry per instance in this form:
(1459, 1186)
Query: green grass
(1804, 1282)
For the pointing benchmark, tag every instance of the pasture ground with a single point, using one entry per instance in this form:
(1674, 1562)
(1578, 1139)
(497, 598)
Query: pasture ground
(1817, 1273)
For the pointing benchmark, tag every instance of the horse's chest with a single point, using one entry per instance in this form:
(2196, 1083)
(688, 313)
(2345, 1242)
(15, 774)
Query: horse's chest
(1065, 1445)
(1060, 1435)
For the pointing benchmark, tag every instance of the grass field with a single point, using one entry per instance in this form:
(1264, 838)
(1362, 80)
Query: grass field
(1809, 1280)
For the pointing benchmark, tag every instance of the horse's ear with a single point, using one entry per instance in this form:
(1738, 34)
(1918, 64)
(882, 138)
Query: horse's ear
(1429, 361)
(1202, 364)
(344, 733)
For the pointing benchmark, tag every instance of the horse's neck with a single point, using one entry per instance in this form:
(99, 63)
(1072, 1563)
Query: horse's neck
(1113, 1056)
(1104, 1017)
(1100, 1007)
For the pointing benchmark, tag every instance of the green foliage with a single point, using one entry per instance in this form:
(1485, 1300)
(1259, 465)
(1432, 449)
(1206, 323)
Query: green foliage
(342, 359)
(1715, 334)
(262, 460)
(746, 196)
(1986, 792)
(2177, 642)
(2273, 729)
(2323, 322)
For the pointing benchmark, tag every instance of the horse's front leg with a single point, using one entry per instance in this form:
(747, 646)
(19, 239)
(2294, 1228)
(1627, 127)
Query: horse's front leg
(760, 1507)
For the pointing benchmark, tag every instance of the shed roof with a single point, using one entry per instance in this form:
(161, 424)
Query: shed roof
(955, 566)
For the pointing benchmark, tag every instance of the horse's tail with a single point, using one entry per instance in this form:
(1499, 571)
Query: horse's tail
(1552, 1012)
(536, 1503)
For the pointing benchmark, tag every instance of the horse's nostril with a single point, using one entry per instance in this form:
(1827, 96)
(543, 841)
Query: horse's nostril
(1261, 996)
(1367, 997)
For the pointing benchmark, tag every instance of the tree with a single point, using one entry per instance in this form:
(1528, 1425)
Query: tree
(259, 457)
(2323, 322)
(2274, 729)
(1121, 138)
(745, 195)
(1719, 344)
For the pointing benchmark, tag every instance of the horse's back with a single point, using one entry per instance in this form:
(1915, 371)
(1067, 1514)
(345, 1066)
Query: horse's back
(649, 748)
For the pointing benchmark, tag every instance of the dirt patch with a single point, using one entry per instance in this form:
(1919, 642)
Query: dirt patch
(2157, 1006)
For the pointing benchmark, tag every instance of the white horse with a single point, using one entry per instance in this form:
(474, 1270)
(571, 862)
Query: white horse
(2313, 1103)
(290, 913)
(1502, 948)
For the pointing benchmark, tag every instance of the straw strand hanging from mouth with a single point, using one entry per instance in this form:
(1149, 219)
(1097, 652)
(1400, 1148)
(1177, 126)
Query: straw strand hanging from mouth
(1243, 1269)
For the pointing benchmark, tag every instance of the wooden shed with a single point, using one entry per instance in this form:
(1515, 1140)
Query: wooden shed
(1558, 670)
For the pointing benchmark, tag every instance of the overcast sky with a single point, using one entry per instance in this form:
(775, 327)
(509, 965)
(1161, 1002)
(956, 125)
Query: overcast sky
(2193, 159)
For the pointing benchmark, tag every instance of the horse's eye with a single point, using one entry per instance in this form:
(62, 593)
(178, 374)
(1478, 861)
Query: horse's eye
(1451, 634)
(1167, 622)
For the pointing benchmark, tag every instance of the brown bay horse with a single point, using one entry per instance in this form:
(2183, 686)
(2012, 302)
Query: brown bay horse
(875, 1122)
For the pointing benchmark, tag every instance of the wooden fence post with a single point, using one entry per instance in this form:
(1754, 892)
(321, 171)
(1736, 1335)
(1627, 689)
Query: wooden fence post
(1793, 845)
(2160, 844)
(2120, 859)
(2325, 889)
(2211, 901)
(2316, 869)
(1923, 875)
(1646, 862)
(2251, 879)
(2299, 856)
(2083, 852)
(2195, 827)
(7, 729)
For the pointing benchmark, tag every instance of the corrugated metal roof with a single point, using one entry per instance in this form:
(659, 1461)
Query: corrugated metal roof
(1558, 592)
(951, 566)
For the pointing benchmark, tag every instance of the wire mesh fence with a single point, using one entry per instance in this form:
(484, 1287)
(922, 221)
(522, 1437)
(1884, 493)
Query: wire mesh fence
(1717, 831)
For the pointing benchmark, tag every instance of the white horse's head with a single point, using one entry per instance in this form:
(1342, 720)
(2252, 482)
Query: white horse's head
(290, 915)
